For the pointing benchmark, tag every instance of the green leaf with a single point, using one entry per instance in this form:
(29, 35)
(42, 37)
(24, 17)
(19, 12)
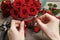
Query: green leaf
(55, 12)
(55, 5)
(50, 8)
(50, 4)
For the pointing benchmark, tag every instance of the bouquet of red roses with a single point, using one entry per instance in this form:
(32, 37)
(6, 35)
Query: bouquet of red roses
(22, 9)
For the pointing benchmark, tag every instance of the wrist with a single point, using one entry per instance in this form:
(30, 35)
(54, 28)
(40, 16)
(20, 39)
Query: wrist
(56, 38)
(53, 36)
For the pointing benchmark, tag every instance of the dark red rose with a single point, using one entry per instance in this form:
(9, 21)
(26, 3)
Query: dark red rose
(29, 2)
(6, 13)
(37, 4)
(16, 5)
(24, 12)
(32, 11)
(6, 6)
(14, 13)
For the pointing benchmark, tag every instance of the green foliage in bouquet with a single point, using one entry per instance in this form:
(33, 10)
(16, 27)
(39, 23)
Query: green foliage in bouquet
(53, 8)
(56, 11)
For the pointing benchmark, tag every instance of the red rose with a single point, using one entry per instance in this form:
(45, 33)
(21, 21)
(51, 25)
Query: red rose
(14, 13)
(29, 2)
(6, 13)
(32, 11)
(16, 5)
(24, 12)
(22, 1)
(37, 4)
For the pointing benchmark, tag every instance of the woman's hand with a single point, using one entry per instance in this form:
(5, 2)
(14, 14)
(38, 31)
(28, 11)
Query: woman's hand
(16, 32)
(50, 27)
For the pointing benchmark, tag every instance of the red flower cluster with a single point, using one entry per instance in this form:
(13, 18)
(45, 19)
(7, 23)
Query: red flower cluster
(6, 6)
(21, 8)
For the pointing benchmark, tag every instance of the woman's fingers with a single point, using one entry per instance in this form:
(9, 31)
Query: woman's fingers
(17, 25)
(40, 23)
(50, 17)
(46, 18)
(22, 26)
(14, 25)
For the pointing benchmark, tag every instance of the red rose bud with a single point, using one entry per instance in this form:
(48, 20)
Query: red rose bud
(36, 29)
(24, 12)
(32, 11)
(14, 13)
